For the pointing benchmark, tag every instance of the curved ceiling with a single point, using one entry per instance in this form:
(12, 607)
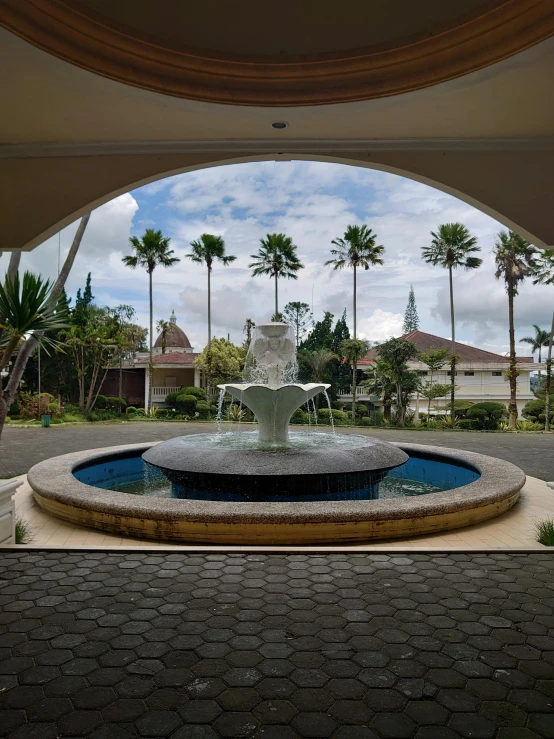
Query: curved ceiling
(296, 53)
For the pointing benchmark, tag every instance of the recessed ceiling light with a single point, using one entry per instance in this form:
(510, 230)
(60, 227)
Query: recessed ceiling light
(279, 125)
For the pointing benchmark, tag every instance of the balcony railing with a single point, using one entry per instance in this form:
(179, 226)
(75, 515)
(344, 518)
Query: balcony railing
(160, 393)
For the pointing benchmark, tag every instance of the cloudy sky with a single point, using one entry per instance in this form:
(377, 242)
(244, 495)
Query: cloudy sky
(312, 202)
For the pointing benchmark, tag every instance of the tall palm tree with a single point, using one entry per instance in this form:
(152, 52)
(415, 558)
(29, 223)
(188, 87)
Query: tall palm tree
(151, 251)
(276, 257)
(357, 248)
(452, 246)
(207, 250)
(543, 273)
(353, 350)
(163, 327)
(514, 258)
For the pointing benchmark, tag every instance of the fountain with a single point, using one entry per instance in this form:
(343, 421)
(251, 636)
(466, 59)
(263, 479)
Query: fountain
(274, 486)
(273, 464)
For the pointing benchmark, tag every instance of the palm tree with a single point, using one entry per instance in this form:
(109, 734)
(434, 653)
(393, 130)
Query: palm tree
(318, 361)
(452, 246)
(276, 257)
(538, 341)
(207, 250)
(26, 307)
(163, 327)
(353, 350)
(543, 273)
(378, 382)
(355, 249)
(151, 251)
(514, 258)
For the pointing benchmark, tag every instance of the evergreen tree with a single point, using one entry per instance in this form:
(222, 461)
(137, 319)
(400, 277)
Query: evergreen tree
(321, 336)
(82, 303)
(298, 315)
(411, 319)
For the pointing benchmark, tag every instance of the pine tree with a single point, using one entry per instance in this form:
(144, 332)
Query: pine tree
(411, 319)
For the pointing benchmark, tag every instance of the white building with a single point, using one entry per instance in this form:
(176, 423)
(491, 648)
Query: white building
(480, 375)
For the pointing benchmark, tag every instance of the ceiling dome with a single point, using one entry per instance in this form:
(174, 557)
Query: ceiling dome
(175, 337)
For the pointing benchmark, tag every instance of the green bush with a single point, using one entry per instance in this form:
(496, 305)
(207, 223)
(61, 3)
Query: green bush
(461, 408)
(113, 403)
(367, 421)
(72, 417)
(545, 532)
(534, 410)
(204, 409)
(171, 398)
(299, 416)
(23, 532)
(130, 409)
(488, 414)
(338, 416)
(186, 404)
(100, 402)
(14, 409)
(198, 392)
(71, 408)
(470, 424)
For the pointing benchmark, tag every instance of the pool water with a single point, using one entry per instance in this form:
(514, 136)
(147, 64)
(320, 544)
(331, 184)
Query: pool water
(420, 475)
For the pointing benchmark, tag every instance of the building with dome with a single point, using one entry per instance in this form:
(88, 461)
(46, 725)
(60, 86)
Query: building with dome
(174, 368)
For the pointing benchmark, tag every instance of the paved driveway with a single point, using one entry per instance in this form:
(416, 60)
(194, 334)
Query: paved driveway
(21, 448)
(346, 646)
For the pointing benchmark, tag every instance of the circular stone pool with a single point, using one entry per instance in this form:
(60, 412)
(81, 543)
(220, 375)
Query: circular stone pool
(436, 489)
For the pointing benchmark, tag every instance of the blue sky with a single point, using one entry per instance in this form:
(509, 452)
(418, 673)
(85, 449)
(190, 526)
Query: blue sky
(313, 202)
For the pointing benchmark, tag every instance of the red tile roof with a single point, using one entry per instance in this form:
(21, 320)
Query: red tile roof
(175, 358)
(425, 342)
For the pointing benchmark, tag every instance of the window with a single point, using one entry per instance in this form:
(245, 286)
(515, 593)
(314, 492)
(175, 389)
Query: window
(423, 372)
(497, 374)
(449, 374)
(469, 374)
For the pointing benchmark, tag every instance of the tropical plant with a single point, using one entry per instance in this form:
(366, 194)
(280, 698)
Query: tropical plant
(318, 361)
(452, 246)
(249, 326)
(236, 413)
(538, 341)
(545, 532)
(277, 258)
(207, 250)
(535, 410)
(150, 251)
(123, 338)
(543, 273)
(353, 350)
(356, 249)
(431, 391)
(298, 315)
(514, 258)
(435, 359)
(163, 327)
(395, 353)
(378, 382)
(23, 531)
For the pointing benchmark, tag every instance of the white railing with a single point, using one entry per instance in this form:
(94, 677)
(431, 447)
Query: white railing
(160, 393)
(348, 391)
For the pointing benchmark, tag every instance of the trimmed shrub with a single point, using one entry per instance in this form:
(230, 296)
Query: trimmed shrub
(470, 424)
(186, 404)
(461, 408)
(534, 410)
(171, 398)
(130, 409)
(100, 402)
(488, 414)
(140, 411)
(198, 392)
(113, 403)
(367, 421)
(338, 416)
(204, 409)
(299, 416)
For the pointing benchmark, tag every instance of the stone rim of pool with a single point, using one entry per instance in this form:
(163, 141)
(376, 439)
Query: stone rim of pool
(315, 522)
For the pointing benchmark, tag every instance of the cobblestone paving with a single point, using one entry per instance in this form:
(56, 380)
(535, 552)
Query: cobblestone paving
(21, 448)
(348, 646)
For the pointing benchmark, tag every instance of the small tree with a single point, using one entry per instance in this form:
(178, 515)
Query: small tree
(487, 414)
(378, 382)
(411, 319)
(543, 273)
(298, 316)
(163, 327)
(514, 257)
(396, 353)
(225, 359)
(249, 326)
(435, 359)
(318, 362)
(353, 350)
(431, 391)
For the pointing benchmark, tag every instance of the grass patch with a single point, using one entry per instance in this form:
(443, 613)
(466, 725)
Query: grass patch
(23, 532)
(545, 532)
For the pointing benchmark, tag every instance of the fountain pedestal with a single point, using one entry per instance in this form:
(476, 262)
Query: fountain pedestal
(274, 406)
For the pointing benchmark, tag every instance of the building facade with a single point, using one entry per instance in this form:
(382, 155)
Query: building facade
(173, 359)
(480, 375)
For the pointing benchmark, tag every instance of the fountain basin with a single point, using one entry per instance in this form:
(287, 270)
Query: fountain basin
(244, 467)
(58, 491)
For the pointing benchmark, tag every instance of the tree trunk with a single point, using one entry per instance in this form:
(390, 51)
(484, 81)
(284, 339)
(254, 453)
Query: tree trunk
(354, 378)
(29, 346)
(399, 405)
(354, 304)
(150, 355)
(453, 360)
(386, 408)
(512, 372)
(209, 378)
(276, 296)
(120, 390)
(548, 382)
(13, 267)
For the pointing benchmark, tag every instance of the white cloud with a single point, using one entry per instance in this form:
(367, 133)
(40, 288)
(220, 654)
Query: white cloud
(380, 326)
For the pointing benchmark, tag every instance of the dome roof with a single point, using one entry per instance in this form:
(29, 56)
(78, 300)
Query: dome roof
(175, 337)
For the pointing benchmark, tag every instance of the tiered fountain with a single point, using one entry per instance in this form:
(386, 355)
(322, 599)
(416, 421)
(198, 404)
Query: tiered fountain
(272, 486)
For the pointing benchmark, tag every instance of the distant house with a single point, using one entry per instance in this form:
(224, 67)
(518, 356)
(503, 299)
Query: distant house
(480, 375)
(173, 369)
